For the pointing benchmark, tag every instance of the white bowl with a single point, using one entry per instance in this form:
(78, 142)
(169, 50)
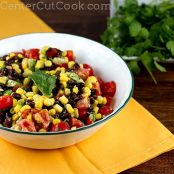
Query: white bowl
(105, 63)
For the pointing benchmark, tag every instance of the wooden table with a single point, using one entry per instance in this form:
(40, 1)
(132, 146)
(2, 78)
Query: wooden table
(158, 99)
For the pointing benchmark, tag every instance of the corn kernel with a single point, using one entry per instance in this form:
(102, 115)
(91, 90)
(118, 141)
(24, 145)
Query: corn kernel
(27, 72)
(23, 96)
(91, 79)
(25, 107)
(98, 116)
(48, 63)
(62, 69)
(89, 85)
(71, 64)
(15, 117)
(64, 84)
(66, 59)
(64, 77)
(49, 101)
(36, 97)
(42, 130)
(64, 53)
(39, 103)
(20, 56)
(39, 64)
(69, 108)
(67, 91)
(56, 121)
(15, 102)
(12, 55)
(74, 128)
(104, 100)
(100, 99)
(12, 111)
(3, 80)
(26, 81)
(29, 117)
(20, 91)
(17, 108)
(30, 94)
(95, 103)
(21, 102)
(25, 63)
(75, 90)
(16, 68)
(63, 100)
(76, 113)
(58, 108)
(35, 89)
(2, 64)
(95, 109)
(53, 72)
(52, 112)
(87, 91)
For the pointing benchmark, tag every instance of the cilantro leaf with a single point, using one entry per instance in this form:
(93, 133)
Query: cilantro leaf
(134, 67)
(170, 46)
(45, 83)
(159, 67)
(134, 28)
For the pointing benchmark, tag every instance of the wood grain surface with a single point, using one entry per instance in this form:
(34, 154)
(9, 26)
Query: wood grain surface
(158, 99)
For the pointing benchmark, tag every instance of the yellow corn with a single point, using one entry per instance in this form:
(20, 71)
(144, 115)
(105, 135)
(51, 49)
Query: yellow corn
(87, 91)
(64, 53)
(20, 56)
(15, 102)
(64, 77)
(89, 85)
(76, 113)
(75, 89)
(15, 117)
(17, 108)
(30, 94)
(2, 64)
(3, 80)
(39, 103)
(58, 108)
(69, 108)
(12, 55)
(95, 103)
(52, 112)
(67, 91)
(12, 111)
(20, 91)
(64, 84)
(26, 81)
(24, 96)
(27, 72)
(56, 121)
(98, 116)
(21, 102)
(91, 79)
(104, 100)
(25, 107)
(95, 109)
(71, 64)
(35, 89)
(62, 69)
(100, 99)
(42, 130)
(63, 100)
(16, 68)
(49, 101)
(48, 63)
(29, 117)
(25, 63)
(39, 64)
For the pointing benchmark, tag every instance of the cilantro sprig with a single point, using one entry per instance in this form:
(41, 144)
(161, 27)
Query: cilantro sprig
(144, 32)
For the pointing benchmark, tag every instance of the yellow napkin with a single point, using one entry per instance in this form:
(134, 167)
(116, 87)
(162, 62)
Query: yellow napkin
(132, 137)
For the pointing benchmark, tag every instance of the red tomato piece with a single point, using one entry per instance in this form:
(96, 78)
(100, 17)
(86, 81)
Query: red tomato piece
(32, 53)
(83, 103)
(27, 125)
(75, 122)
(25, 113)
(89, 68)
(90, 119)
(62, 126)
(15, 88)
(52, 52)
(6, 102)
(109, 100)
(105, 110)
(70, 55)
(64, 65)
(82, 113)
(100, 80)
(109, 89)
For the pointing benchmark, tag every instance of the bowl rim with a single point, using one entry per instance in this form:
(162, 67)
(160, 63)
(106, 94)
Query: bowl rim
(116, 111)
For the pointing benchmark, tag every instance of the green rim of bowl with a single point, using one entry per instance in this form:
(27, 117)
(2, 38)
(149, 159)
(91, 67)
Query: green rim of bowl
(116, 111)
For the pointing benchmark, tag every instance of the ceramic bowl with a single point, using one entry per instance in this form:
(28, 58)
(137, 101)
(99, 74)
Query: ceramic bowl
(105, 62)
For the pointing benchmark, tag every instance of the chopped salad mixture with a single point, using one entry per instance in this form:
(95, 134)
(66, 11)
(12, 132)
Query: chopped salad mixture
(46, 90)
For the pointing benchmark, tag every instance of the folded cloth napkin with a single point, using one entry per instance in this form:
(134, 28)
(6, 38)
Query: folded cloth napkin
(130, 138)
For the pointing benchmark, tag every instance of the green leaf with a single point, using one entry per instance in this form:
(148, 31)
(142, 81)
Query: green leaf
(148, 63)
(170, 46)
(134, 67)
(134, 28)
(144, 33)
(128, 3)
(45, 83)
(159, 67)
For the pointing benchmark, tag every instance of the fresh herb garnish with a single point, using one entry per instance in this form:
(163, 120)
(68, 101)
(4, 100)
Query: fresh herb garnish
(45, 83)
(144, 32)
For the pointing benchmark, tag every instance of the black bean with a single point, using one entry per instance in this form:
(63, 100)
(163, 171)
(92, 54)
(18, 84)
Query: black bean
(30, 103)
(10, 61)
(3, 72)
(16, 96)
(92, 100)
(76, 66)
(71, 84)
(4, 57)
(80, 85)
(2, 117)
(7, 122)
(53, 67)
(93, 92)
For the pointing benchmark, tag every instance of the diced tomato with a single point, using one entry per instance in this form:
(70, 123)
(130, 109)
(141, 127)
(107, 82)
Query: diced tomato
(83, 103)
(100, 80)
(89, 68)
(109, 100)
(15, 88)
(62, 126)
(105, 110)
(90, 119)
(27, 125)
(82, 113)
(109, 89)
(52, 52)
(32, 53)
(75, 122)
(70, 55)
(6, 102)
(64, 65)
(25, 113)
